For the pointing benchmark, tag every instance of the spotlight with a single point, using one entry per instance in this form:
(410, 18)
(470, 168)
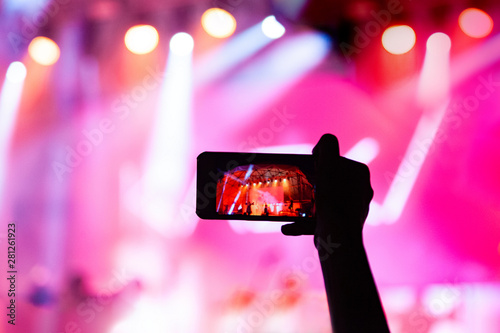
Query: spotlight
(272, 28)
(218, 23)
(44, 51)
(439, 42)
(398, 39)
(10, 98)
(141, 39)
(181, 44)
(16, 72)
(475, 23)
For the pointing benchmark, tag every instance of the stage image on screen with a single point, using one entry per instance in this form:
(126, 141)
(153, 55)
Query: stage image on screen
(265, 190)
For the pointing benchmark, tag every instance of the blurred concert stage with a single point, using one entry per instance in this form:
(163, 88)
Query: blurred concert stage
(105, 104)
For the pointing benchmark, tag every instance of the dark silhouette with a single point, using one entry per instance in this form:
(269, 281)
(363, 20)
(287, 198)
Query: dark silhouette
(343, 195)
(249, 208)
(266, 210)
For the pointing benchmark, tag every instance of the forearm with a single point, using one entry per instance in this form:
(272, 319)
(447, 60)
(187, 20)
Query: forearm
(352, 295)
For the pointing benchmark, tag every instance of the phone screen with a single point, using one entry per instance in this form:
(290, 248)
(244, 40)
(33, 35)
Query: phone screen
(265, 190)
(254, 186)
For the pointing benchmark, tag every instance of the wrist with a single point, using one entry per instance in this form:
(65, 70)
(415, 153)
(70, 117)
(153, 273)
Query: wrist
(344, 231)
(330, 246)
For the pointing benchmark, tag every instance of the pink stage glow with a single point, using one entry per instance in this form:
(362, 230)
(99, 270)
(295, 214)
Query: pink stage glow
(109, 242)
(475, 23)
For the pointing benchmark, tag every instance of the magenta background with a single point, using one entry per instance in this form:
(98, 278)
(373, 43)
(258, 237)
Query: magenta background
(438, 266)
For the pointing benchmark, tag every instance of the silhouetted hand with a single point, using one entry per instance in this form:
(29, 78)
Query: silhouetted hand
(343, 195)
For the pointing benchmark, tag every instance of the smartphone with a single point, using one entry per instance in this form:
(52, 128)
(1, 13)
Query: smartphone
(255, 186)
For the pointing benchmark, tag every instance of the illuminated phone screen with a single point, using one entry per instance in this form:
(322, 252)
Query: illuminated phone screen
(265, 190)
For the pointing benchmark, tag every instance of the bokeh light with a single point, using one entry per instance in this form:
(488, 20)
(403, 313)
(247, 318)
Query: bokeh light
(218, 23)
(181, 43)
(141, 39)
(272, 28)
(44, 51)
(398, 39)
(439, 42)
(16, 72)
(475, 23)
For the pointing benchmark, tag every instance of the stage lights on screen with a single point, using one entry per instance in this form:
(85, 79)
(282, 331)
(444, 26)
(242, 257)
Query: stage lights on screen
(272, 28)
(181, 44)
(141, 39)
(475, 23)
(398, 39)
(44, 51)
(218, 23)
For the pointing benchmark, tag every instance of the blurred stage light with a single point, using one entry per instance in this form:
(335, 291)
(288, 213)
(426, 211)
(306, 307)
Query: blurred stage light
(398, 39)
(438, 42)
(141, 39)
(433, 98)
(272, 28)
(218, 23)
(169, 148)
(433, 84)
(10, 97)
(225, 57)
(44, 51)
(181, 44)
(475, 23)
(364, 151)
(16, 72)
(276, 71)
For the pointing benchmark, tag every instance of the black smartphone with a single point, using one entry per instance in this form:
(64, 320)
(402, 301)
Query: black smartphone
(255, 186)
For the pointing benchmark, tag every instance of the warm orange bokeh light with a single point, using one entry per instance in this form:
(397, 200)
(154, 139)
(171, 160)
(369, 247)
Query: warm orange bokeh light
(218, 23)
(44, 51)
(398, 39)
(141, 39)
